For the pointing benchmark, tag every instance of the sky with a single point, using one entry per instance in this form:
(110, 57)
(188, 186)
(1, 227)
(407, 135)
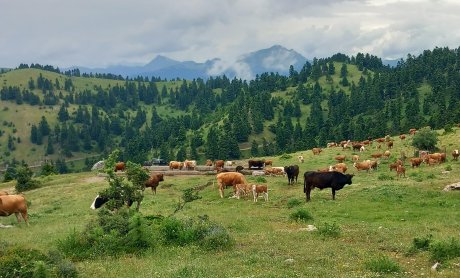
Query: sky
(99, 33)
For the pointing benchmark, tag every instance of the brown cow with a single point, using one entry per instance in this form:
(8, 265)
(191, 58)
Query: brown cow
(120, 166)
(455, 154)
(402, 136)
(357, 146)
(190, 164)
(229, 179)
(400, 171)
(154, 181)
(365, 165)
(340, 167)
(219, 164)
(416, 161)
(380, 140)
(331, 144)
(268, 162)
(386, 154)
(390, 144)
(373, 163)
(208, 162)
(376, 155)
(355, 158)
(412, 131)
(340, 158)
(242, 189)
(259, 189)
(175, 165)
(393, 166)
(16, 204)
(316, 151)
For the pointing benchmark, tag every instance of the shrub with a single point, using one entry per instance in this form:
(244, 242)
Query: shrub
(449, 167)
(293, 202)
(385, 177)
(329, 230)
(383, 264)
(285, 156)
(445, 250)
(420, 243)
(24, 179)
(425, 139)
(300, 215)
(261, 180)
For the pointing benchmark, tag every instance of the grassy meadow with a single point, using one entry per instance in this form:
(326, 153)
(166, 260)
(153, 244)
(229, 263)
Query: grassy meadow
(378, 216)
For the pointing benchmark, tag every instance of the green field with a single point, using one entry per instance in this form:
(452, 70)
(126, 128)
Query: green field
(378, 215)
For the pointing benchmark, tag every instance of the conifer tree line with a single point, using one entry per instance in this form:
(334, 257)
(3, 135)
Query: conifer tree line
(219, 113)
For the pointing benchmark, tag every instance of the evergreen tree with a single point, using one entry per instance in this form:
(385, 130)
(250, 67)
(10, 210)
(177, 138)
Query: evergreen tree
(212, 144)
(34, 134)
(254, 149)
(49, 147)
(63, 114)
(44, 126)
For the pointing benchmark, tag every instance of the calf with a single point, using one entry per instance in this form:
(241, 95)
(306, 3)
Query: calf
(154, 181)
(316, 151)
(400, 171)
(16, 204)
(301, 159)
(416, 161)
(455, 154)
(259, 189)
(242, 189)
(334, 180)
(340, 158)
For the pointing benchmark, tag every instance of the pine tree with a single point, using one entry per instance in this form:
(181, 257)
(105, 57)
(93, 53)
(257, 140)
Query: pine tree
(49, 147)
(254, 149)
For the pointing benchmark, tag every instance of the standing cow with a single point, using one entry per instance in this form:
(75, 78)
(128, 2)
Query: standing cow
(321, 180)
(120, 166)
(16, 204)
(292, 172)
(154, 181)
(229, 179)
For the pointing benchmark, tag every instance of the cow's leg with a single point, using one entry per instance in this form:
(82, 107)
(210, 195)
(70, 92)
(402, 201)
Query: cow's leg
(17, 217)
(266, 196)
(333, 194)
(307, 194)
(221, 190)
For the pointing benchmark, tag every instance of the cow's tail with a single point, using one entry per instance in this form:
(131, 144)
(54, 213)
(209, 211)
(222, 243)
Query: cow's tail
(304, 184)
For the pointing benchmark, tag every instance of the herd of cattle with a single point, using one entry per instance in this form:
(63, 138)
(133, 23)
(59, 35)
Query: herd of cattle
(332, 176)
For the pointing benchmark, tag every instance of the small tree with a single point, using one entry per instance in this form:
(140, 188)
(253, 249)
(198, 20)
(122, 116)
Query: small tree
(425, 139)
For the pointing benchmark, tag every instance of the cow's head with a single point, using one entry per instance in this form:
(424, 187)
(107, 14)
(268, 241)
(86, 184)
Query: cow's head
(349, 177)
(98, 202)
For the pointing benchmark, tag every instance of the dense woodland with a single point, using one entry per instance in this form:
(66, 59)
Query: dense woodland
(220, 113)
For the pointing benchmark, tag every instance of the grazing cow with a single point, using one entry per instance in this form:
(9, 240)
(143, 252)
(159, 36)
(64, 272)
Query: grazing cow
(120, 166)
(229, 179)
(258, 164)
(229, 163)
(412, 131)
(455, 154)
(239, 168)
(275, 171)
(259, 189)
(402, 136)
(380, 140)
(438, 157)
(376, 155)
(334, 180)
(154, 181)
(416, 161)
(354, 158)
(362, 149)
(345, 144)
(357, 147)
(340, 167)
(390, 144)
(365, 165)
(16, 204)
(292, 172)
(431, 161)
(209, 162)
(386, 154)
(268, 162)
(373, 163)
(189, 164)
(219, 164)
(331, 144)
(175, 165)
(340, 158)
(301, 160)
(400, 171)
(316, 151)
(366, 142)
(3, 193)
(242, 189)
(393, 166)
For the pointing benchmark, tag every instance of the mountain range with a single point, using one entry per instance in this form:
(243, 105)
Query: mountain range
(276, 59)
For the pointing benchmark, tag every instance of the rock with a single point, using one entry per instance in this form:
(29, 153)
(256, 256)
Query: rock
(289, 261)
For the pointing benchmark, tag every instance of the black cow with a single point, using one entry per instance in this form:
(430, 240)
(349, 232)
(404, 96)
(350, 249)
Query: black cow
(100, 200)
(259, 164)
(292, 172)
(321, 180)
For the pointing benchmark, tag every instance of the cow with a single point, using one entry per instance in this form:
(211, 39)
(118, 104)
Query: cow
(242, 189)
(340, 158)
(393, 166)
(344, 144)
(229, 163)
(190, 164)
(292, 172)
(239, 168)
(259, 189)
(16, 204)
(376, 155)
(209, 162)
(331, 144)
(455, 155)
(402, 136)
(380, 140)
(357, 147)
(386, 154)
(412, 131)
(154, 181)
(258, 164)
(219, 164)
(229, 179)
(120, 166)
(373, 163)
(365, 165)
(340, 167)
(334, 180)
(400, 171)
(175, 165)
(416, 161)
(316, 151)
(300, 158)
(268, 162)
(101, 200)
(274, 171)
(390, 144)
(354, 158)
(362, 149)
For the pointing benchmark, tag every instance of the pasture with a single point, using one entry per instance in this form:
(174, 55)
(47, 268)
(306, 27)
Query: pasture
(377, 216)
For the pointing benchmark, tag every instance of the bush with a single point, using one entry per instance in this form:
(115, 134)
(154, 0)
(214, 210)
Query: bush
(285, 156)
(260, 179)
(445, 250)
(420, 243)
(24, 179)
(300, 215)
(293, 203)
(383, 264)
(425, 139)
(329, 230)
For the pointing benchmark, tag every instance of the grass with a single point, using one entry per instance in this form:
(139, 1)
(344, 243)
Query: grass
(374, 215)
